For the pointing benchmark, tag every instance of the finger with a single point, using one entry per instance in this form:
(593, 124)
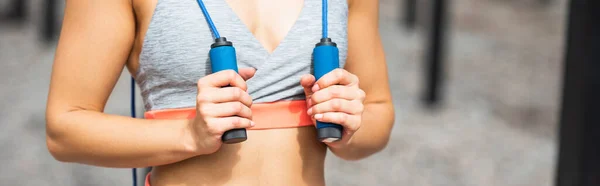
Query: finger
(307, 81)
(247, 73)
(337, 105)
(337, 91)
(221, 125)
(227, 94)
(222, 79)
(336, 77)
(226, 110)
(349, 122)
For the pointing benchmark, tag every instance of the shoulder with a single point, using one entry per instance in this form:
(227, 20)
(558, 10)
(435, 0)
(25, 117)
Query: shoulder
(98, 6)
(360, 3)
(364, 7)
(113, 2)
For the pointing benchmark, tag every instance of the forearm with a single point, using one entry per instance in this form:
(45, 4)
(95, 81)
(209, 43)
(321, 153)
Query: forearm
(374, 134)
(95, 138)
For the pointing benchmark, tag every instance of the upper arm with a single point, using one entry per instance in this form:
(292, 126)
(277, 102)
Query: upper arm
(366, 58)
(95, 41)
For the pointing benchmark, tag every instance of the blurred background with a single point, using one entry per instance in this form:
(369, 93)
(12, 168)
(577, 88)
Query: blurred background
(492, 122)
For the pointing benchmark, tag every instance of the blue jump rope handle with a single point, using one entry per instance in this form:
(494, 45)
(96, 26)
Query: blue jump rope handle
(223, 58)
(325, 56)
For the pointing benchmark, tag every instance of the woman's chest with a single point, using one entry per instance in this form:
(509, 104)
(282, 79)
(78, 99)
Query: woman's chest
(269, 21)
(277, 38)
(264, 25)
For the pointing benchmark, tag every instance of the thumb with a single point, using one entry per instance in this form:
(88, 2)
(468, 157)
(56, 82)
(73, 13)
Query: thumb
(307, 81)
(247, 73)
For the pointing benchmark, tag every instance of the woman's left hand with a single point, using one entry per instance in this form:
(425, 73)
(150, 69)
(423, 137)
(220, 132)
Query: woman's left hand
(335, 98)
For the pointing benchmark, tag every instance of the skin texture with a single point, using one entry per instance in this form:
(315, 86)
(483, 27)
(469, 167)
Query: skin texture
(101, 37)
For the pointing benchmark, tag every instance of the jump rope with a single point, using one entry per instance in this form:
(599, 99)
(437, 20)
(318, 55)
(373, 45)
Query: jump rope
(223, 57)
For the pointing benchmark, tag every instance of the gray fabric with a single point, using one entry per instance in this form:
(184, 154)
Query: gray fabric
(175, 51)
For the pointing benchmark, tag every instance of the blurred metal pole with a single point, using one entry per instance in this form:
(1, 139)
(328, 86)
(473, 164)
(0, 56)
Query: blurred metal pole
(410, 13)
(17, 13)
(49, 24)
(579, 152)
(434, 55)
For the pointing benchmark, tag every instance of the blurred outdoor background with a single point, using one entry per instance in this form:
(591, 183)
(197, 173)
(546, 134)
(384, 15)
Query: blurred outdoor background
(495, 124)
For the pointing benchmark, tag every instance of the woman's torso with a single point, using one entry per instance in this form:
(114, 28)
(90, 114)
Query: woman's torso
(171, 53)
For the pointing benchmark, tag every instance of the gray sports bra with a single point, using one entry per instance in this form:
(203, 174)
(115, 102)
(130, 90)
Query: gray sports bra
(175, 51)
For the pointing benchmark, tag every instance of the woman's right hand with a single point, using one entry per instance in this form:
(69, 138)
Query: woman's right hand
(222, 104)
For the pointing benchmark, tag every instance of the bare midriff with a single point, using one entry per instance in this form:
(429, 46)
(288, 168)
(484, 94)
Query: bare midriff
(291, 156)
(281, 150)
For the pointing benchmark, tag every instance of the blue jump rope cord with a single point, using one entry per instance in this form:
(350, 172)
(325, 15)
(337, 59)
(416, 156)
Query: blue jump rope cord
(216, 34)
(324, 17)
(209, 20)
(134, 170)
